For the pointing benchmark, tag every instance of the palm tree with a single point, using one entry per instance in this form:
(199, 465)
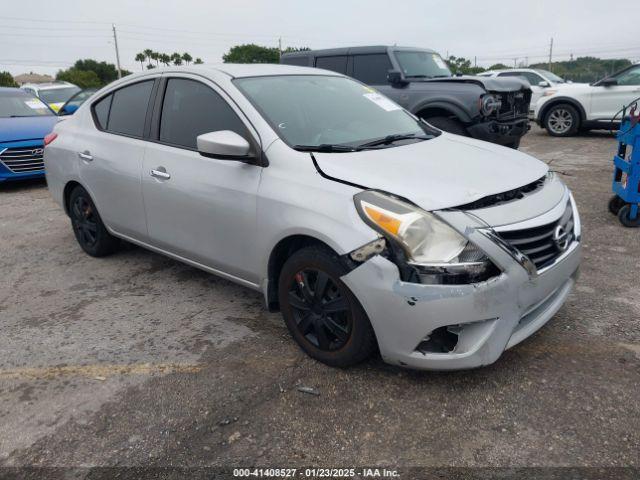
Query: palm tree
(147, 53)
(166, 59)
(176, 58)
(187, 58)
(155, 56)
(198, 61)
(140, 57)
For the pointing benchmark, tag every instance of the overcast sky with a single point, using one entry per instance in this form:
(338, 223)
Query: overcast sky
(46, 35)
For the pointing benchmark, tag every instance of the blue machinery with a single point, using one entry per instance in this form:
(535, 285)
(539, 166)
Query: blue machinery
(626, 177)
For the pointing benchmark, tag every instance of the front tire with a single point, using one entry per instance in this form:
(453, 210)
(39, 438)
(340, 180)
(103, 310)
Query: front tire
(88, 228)
(562, 120)
(624, 215)
(323, 316)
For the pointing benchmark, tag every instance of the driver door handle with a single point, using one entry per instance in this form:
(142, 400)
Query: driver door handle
(160, 174)
(86, 156)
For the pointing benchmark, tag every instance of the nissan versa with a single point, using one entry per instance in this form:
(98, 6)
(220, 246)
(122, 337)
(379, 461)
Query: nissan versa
(368, 228)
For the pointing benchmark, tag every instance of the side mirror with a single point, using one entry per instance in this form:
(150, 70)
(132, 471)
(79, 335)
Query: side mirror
(544, 84)
(394, 77)
(224, 145)
(608, 82)
(67, 110)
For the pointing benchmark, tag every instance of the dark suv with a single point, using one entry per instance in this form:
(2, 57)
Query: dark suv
(492, 109)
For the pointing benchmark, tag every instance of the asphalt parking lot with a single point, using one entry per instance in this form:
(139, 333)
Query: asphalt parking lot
(136, 359)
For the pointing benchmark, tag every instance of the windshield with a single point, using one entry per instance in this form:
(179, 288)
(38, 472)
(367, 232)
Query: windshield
(422, 65)
(57, 95)
(314, 110)
(551, 76)
(80, 97)
(20, 104)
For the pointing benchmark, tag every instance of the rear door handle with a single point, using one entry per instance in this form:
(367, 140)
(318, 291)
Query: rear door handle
(160, 174)
(86, 156)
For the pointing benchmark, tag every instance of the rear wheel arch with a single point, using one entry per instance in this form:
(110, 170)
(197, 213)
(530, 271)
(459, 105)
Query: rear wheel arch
(66, 195)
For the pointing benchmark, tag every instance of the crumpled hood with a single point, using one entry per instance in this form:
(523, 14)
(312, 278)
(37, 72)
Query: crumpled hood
(490, 84)
(26, 128)
(444, 172)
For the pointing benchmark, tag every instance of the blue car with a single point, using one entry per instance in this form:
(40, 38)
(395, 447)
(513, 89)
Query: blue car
(24, 122)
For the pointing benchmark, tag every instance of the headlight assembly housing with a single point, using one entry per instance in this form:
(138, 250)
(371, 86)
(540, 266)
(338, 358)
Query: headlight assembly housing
(489, 104)
(437, 253)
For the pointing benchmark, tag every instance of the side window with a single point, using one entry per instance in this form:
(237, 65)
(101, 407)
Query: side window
(532, 78)
(335, 64)
(190, 108)
(101, 110)
(630, 77)
(129, 109)
(371, 69)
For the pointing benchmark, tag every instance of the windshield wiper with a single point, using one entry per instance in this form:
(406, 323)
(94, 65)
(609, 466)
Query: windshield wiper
(394, 138)
(324, 147)
(418, 76)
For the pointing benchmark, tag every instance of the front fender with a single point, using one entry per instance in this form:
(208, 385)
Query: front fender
(453, 107)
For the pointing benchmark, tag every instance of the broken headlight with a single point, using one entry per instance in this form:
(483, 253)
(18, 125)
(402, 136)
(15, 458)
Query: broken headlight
(436, 252)
(489, 103)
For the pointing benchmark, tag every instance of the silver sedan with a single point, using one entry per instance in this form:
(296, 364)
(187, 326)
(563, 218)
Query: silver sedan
(368, 229)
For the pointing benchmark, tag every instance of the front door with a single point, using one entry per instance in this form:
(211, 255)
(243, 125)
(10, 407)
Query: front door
(607, 101)
(200, 208)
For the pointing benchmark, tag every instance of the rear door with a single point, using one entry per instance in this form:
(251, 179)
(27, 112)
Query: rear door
(202, 209)
(110, 156)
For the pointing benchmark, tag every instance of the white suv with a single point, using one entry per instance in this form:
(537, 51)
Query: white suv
(540, 81)
(563, 110)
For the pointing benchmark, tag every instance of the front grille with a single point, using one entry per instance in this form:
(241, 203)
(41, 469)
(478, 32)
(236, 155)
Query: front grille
(514, 104)
(23, 159)
(544, 244)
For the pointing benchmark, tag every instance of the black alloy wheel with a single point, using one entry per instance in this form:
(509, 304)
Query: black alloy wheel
(90, 232)
(84, 221)
(320, 310)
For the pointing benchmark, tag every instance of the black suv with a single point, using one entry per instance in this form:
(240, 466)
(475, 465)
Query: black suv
(492, 109)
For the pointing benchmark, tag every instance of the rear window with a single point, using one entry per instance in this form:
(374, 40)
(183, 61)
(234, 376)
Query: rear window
(58, 95)
(124, 111)
(371, 69)
(336, 63)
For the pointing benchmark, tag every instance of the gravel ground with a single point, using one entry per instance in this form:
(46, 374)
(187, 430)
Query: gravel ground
(137, 360)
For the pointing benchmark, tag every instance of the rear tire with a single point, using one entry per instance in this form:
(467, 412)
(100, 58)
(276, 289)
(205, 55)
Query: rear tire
(323, 316)
(562, 120)
(450, 125)
(88, 228)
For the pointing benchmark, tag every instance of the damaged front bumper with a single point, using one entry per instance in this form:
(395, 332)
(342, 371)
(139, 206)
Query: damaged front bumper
(486, 317)
(502, 132)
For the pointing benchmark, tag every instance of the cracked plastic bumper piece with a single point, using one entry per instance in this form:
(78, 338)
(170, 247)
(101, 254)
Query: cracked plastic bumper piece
(487, 317)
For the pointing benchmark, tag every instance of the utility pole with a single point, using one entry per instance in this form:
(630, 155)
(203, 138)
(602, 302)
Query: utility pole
(279, 47)
(475, 62)
(115, 41)
(550, 53)
(514, 62)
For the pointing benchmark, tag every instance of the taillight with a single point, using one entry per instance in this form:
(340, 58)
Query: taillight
(50, 138)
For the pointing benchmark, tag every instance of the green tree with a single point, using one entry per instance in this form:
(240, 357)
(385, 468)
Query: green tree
(176, 58)
(462, 65)
(165, 59)
(6, 80)
(498, 66)
(251, 53)
(198, 61)
(140, 57)
(81, 78)
(187, 58)
(147, 53)
(106, 72)
(585, 69)
(155, 56)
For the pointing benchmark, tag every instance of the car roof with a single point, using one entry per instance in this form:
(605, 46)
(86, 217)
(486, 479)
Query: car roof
(355, 51)
(234, 70)
(49, 85)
